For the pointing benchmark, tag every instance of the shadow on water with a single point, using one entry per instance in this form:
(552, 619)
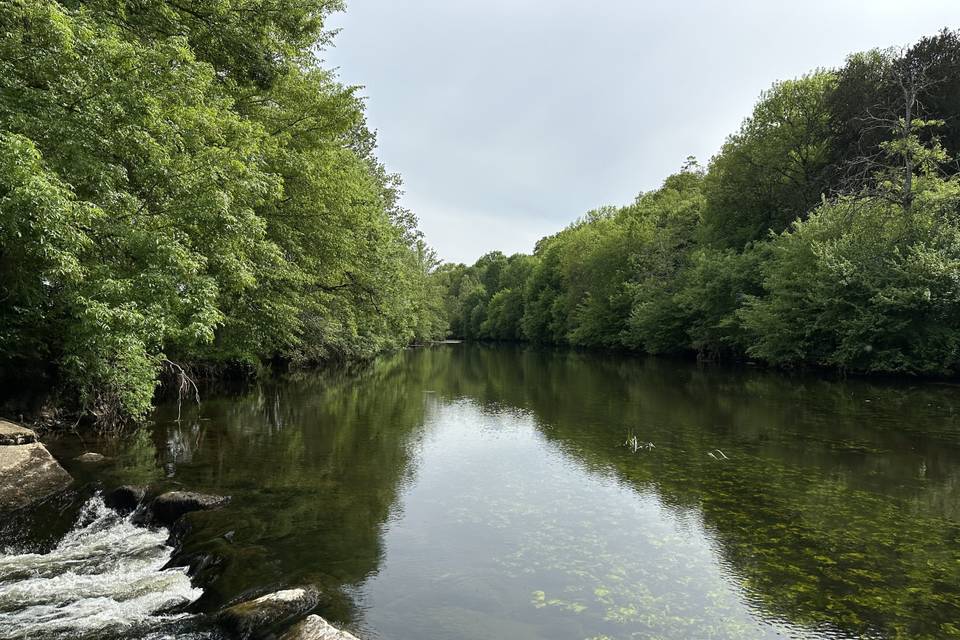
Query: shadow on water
(472, 491)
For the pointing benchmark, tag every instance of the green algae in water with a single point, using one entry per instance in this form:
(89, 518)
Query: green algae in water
(476, 492)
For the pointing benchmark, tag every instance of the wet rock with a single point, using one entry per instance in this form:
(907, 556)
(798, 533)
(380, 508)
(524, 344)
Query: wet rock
(316, 628)
(14, 434)
(28, 473)
(258, 617)
(42, 525)
(199, 565)
(91, 457)
(168, 507)
(126, 498)
(208, 555)
(179, 531)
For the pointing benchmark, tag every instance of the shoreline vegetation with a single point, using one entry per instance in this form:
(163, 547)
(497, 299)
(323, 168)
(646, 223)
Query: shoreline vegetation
(185, 189)
(188, 192)
(825, 234)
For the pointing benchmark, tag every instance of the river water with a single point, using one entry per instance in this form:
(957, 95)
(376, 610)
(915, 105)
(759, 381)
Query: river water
(479, 493)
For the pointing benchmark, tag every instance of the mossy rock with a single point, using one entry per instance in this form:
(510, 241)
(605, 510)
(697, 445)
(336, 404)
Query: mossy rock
(258, 617)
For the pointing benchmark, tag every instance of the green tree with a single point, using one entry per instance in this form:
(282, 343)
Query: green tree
(666, 223)
(183, 182)
(869, 282)
(506, 307)
(775, 168)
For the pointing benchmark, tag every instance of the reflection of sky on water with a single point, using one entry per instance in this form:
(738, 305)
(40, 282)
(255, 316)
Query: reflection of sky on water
(501, 534)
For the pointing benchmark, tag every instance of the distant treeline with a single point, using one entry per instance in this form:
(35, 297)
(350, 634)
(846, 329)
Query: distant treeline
(182, 184)
(826, 232)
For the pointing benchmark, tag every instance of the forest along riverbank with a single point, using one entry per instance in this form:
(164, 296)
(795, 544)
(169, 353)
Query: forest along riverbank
(475, 491)
(120, 568)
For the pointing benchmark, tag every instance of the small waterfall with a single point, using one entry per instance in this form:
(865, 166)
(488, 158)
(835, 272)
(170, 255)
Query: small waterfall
(103, 580)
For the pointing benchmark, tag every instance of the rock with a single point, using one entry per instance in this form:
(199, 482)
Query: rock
(14, 434)
(28, 473)
(91, 457)
(207, 556)
(202, 567)
(168, 507)
(316, 628)
(179, 531)
(126, 498)
(256, 617)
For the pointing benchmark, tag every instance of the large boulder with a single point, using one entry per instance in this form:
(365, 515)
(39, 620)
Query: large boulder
(167, 508)
(255, 618)
(126, 498)
(316, 628)
(27, 470)
(13, 434)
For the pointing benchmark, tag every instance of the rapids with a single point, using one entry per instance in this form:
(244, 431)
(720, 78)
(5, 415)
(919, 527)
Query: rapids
(105, 578)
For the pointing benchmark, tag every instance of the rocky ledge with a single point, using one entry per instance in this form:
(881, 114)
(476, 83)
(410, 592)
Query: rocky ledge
(27, 470)
(168, 507)
(259, 618)
(284, 614)
(164, 510)
(29, 473)
(14, 434)
(125, 499)
(316, 628)
(252, 618)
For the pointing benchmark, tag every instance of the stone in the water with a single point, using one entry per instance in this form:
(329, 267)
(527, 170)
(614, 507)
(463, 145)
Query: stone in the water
(259, 616)
(126, 498)
(28, 473)
(91, 457)
(168, 507)
(316, 628)
(14, 434)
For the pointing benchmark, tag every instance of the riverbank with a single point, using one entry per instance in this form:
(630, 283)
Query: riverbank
(43, 408)
(41, 413)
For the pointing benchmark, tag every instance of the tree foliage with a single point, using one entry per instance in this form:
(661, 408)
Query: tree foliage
(825, 232)
(775, 168)
(183, 181)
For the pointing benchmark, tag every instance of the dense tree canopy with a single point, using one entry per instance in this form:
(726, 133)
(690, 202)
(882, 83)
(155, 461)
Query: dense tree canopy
(825, 232)
(182, 183)
(775, 168)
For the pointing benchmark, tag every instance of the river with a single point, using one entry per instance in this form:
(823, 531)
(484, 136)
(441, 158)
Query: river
(477, 492)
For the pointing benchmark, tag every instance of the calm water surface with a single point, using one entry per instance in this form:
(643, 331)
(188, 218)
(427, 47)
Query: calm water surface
(480, 493)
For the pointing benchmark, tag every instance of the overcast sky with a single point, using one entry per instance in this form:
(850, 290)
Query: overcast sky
(508, 119)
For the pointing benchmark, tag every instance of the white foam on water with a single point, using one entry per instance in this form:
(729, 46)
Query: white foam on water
(104, 579)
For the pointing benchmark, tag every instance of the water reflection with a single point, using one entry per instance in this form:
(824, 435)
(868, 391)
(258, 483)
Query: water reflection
(479, 492)
(550, 549)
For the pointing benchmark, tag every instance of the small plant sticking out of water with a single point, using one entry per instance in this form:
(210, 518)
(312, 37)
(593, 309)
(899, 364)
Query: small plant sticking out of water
(635, 445)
